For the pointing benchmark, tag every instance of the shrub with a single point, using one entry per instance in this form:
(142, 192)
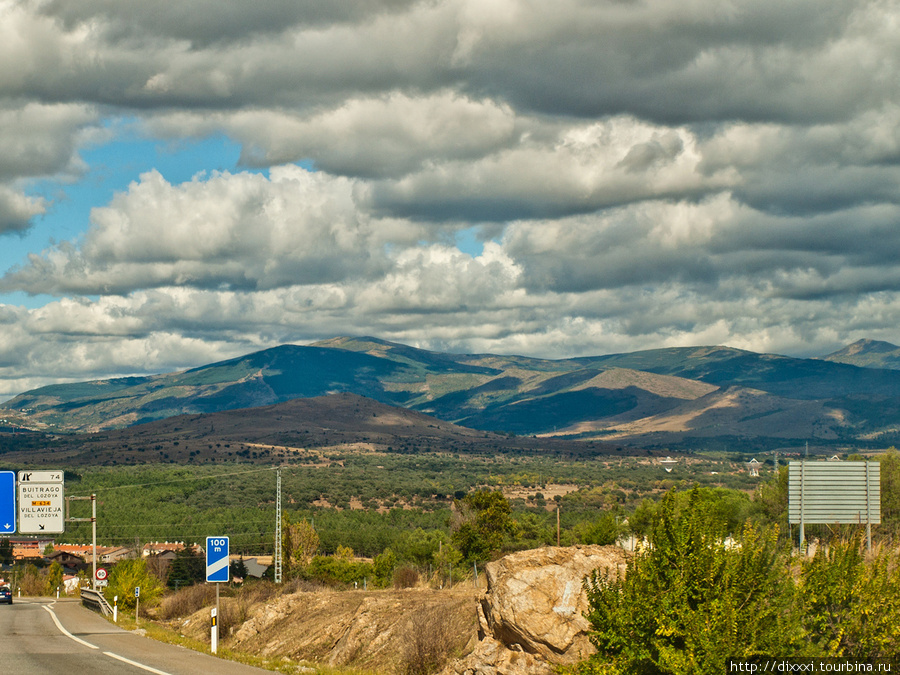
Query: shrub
(405, 577)
(383, 567)
(32, 582)
(186, 601)
(852, 605)
(688, 603)
(125, 576)
(333, 571)
(429, 642)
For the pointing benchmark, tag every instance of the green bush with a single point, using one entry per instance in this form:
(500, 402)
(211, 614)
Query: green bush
(332, 570)
(127, 575)
(383, 568)
(851, 604)
(688, 603)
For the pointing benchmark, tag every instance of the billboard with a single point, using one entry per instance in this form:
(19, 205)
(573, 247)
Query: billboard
(834, 493)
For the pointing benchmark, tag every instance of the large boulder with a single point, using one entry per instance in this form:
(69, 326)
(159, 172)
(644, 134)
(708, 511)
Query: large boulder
(535, 600)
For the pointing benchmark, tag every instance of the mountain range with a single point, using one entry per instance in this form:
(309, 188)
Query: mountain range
(664, 397)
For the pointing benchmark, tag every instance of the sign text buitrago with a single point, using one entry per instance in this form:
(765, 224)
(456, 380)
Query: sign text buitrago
(41, 498)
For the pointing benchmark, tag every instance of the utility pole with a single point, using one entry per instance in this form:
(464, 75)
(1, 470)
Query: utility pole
(557, 525)
(93, 520)
(277, 560)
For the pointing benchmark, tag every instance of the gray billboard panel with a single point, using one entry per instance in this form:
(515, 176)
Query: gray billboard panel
(834, 492)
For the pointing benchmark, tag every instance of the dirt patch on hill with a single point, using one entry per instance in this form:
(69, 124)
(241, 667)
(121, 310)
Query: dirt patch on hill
(380, 631)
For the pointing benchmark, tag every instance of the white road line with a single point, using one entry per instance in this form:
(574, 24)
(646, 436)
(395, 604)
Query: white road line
(149, 669)
(67, 633)
(135, 664)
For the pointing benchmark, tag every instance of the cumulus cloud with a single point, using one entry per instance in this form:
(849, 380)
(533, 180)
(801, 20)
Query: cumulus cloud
(373, 137)
(243, 231)
(584, 168)
(641, 175)
(17, 210)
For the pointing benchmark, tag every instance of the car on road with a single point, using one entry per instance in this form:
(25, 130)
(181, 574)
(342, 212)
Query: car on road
(6, 595)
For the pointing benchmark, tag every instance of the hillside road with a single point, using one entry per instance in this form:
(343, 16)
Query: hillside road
(41, 635)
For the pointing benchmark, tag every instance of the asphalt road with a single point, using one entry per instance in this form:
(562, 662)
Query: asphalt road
(40, 635)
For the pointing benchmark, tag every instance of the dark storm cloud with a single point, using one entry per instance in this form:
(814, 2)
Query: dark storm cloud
(205, 22)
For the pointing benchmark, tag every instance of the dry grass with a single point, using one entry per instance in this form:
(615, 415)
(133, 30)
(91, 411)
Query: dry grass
(405, 577)
(186, 601)
(429, 642)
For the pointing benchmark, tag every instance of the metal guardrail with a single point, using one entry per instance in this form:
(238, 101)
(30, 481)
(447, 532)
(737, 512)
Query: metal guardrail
(94, 600)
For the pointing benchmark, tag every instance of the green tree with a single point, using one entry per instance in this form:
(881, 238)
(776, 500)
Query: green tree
(300, 543)
(603, 531)
(483, 521)
(770, 501)
(127, 575)
(383, 567)
(6, 552)
(238, 569)
(54, 579)
(640, 522)
(187, 569)
(419, 546)
(332, 570)
(687, 603)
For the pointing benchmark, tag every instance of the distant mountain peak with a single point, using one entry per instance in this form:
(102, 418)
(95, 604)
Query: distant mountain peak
(868, 353)
(867, 346)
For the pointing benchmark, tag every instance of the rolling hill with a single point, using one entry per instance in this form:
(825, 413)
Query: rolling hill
(654, 397)
(307, 430)
(868, 354)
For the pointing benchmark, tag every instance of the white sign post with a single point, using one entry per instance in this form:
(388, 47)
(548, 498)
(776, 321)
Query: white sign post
(41, 500)
(216, 572)
(214, 631)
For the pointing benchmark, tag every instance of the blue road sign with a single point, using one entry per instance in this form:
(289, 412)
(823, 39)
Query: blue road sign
(217, 559)
(7, 502)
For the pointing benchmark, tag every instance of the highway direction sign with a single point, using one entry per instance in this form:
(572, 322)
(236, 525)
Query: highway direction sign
(7, 502)
(217, 559)
(41, 502)
(40, 476)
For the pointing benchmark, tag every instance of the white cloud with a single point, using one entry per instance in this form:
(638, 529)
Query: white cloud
(644, 174)
(17, 210)
(584, 168)
(228, 230)
(384, 136)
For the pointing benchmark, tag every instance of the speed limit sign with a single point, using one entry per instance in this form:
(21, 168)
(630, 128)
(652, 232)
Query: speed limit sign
(101, 574)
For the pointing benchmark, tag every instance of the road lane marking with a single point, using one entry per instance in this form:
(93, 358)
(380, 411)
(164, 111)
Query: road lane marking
(111, 655)
(67, 633)
(135, 664)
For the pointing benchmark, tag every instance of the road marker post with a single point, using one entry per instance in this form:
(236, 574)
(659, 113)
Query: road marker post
(214, 629)
(217, 569)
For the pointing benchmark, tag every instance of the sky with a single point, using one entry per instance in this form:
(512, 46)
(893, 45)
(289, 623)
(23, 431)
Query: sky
(187, 181)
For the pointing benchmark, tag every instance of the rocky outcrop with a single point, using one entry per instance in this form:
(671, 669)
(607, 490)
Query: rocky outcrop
(531, 618)
(491, 657)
